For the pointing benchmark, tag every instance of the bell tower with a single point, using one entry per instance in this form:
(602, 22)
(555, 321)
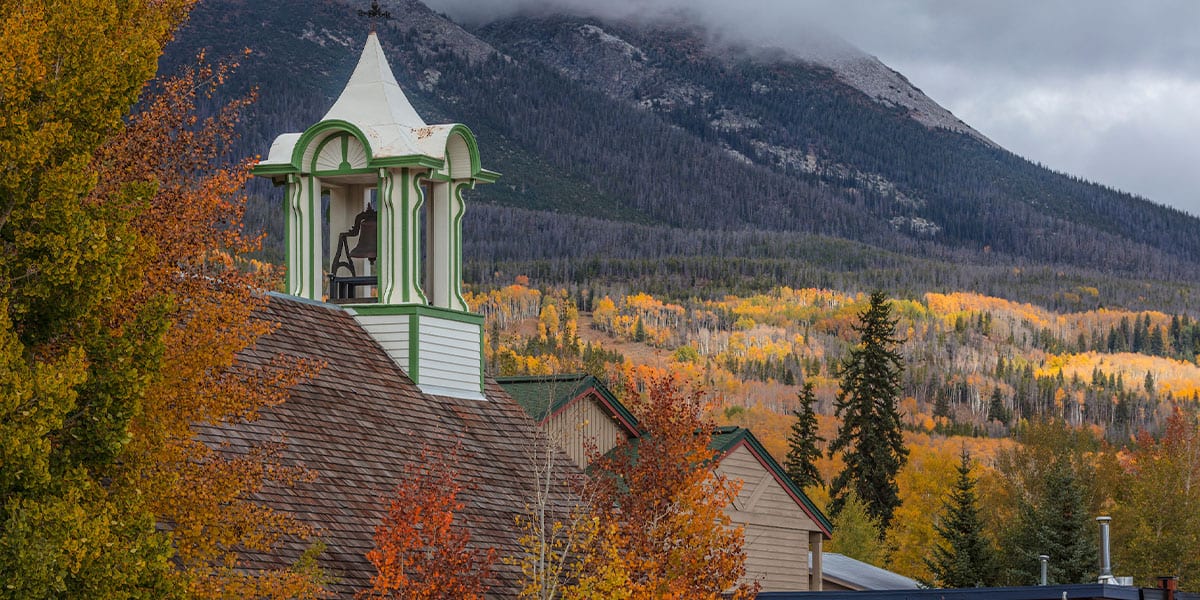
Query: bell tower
(388, 189)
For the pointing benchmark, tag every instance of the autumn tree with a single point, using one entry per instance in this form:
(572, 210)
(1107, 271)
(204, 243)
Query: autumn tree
(802, 456)
(125, 280)
(565, 550)
(869, 436)
(422, 548)
(1156, 517)
(75, 351)
(211, 294)
(669, 520)
(857, 532)
(964, 557)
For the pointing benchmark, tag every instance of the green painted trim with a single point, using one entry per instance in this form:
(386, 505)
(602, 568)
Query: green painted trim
(486, 176)
(387, 187)
(345, 162)
(417, 309)
(320, 128)
(313, 259)
(414, 347)
(344, 167)
(340, 171)
(290, 199)
(417, 241)
(456, 251)
(742, 434)
(472, 146)
(409, 160)
(262, 170)
(406, 233)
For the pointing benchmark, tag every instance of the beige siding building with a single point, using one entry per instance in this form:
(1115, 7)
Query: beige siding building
(782, 526)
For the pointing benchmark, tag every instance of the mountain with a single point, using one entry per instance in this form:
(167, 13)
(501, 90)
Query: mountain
(648, 152)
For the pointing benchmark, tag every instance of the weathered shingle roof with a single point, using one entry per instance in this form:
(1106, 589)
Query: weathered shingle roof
(359, 421)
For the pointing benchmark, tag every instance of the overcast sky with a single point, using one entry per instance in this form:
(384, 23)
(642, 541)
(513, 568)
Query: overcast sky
(1105, 89)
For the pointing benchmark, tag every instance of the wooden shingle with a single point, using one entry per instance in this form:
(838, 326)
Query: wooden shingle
(358, 422)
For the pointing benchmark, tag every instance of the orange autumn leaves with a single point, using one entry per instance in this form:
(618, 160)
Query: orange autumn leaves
(421, 551)
(167, 166)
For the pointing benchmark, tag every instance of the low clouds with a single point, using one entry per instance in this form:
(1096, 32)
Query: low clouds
(1108, 90)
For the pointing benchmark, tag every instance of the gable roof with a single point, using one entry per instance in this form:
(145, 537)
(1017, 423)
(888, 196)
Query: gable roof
(728, 438)
(858, 575)
(357, 422)
(543, 396)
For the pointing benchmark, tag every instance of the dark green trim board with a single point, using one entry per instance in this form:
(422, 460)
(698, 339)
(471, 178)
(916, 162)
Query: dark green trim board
(313, 215)
(414, 347)
(273, 169)
(290, 198)
(417, 309)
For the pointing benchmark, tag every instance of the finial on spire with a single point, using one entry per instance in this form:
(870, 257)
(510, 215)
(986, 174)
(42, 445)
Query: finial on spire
(375, 13)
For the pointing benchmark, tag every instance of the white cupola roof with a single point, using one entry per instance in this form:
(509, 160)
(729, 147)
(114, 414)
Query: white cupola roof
(375, 107)
(372, 99)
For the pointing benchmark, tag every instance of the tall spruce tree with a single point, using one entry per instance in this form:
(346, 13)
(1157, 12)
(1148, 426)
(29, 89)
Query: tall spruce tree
(801, 462)
(965, 557)
(869, 438)
(1056, 524)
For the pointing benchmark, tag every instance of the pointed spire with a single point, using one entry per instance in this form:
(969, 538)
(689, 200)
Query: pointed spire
(372, 99)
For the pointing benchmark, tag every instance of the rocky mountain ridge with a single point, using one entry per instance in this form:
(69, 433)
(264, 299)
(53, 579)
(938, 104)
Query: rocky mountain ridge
(655, 124)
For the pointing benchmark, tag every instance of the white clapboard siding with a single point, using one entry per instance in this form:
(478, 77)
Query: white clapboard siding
(776, 528)
(448, 357)
(391, 333)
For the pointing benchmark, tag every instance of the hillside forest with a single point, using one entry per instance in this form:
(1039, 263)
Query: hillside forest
(1097, 401)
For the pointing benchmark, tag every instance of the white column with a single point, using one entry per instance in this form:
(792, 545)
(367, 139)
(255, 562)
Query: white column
(440, 245)
(457, 209)
(399, 262)
(304, 276)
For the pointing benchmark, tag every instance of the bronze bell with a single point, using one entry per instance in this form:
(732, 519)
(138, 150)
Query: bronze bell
(366, 224)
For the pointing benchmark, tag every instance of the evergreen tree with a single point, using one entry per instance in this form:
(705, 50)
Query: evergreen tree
(802, 453)
(1056, 524)
(639, 331)
(996, 408)
(966, 559)
(869, 438)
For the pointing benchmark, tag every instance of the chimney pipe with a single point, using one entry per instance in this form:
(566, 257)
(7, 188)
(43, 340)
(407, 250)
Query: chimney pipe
(1106, 575)
(1045, 560)
(1169, 585)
